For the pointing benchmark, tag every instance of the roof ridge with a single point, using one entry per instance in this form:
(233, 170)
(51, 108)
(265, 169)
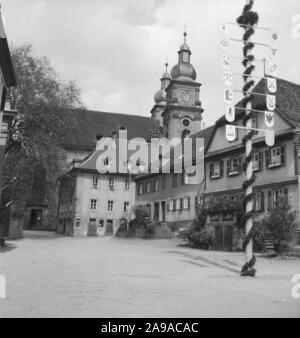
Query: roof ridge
(106, 112)
(288, 81)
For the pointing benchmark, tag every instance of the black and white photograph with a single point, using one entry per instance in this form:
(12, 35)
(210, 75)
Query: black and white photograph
(149, 161)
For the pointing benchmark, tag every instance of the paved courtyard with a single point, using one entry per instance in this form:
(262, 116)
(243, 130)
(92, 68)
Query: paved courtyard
(51, 276)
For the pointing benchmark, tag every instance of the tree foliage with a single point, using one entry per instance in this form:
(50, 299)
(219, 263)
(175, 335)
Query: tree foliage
(41, 100)
(280, 223)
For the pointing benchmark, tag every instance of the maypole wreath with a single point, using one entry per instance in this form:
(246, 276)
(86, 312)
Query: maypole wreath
(248, 20)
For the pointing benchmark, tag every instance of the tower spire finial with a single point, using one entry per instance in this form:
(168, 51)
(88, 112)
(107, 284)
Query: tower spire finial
(185, 32)
(167, 63)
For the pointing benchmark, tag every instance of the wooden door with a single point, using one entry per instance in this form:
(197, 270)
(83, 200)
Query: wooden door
(92, 230)
(109, 227)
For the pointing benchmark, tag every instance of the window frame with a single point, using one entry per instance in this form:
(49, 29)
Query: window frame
(127, 184)
(239, 166)
(269, 157)
(112, 204)
(126, 210)
(95, 178)
(112, 187)
(259, 161)
(216, 174)
(93, 204)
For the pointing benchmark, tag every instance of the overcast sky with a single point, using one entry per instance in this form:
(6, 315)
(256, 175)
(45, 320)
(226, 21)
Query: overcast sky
(115, 49)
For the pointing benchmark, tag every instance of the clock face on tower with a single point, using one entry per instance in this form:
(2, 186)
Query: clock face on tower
(185, 97)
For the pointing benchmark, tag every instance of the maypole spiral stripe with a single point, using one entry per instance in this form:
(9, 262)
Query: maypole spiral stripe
(247, 21)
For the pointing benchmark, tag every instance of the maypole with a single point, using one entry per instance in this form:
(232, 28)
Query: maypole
(248, 20)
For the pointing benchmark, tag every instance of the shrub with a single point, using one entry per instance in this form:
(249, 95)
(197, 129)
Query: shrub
(142, 221)
(197, 236)
(203, 239)
(260, 236)
(280, 224)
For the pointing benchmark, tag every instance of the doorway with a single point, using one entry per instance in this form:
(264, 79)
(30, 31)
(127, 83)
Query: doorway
(36, 219)
(92, 230)
(224, 238)
(109, 227)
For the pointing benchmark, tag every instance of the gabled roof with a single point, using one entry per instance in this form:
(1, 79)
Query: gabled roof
(92, 123)
(207, 135)
(287, 101)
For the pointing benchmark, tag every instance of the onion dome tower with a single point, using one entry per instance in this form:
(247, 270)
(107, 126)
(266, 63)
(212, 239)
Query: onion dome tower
(184, 70)
(183, 111)
(160, 97)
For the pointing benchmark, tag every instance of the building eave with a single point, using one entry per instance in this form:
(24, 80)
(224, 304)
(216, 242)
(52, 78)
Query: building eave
(6, 64)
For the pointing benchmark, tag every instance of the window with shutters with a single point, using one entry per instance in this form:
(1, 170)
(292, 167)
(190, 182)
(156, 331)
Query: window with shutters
(178, 204)
(216, 169)
(275, 157)
(275, 195)
(279, 194)
(172, 205)
(259, 201)
(258, 161)
(186, 203)
(234, 166)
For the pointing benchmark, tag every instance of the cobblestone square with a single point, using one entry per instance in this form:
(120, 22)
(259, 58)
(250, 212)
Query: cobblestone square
(52, 276)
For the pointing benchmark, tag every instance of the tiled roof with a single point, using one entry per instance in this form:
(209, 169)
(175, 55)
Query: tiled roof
(287, 101)
(206, 134)
(92, 123)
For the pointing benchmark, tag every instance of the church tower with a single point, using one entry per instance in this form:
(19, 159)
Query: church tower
(182, 114)
(160, 98)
